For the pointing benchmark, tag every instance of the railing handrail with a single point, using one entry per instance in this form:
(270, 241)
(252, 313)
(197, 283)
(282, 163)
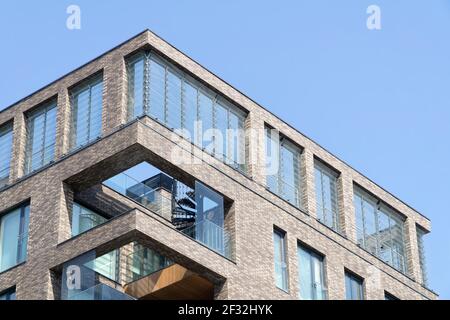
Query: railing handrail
(137, 182)
(102, 286)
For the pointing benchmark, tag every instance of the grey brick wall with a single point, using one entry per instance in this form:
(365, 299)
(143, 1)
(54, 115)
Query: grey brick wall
(251, 218)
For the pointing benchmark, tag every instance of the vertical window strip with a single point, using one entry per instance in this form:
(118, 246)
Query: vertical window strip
(326, 196)
(165, 92)
(6, 139)
(286, 183)
(86, 103)
(41, 131)
(384, 241)
(280, 261)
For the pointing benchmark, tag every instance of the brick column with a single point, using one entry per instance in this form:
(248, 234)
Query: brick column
(412, 251)
(308, 194)
(18, 149)
(334, 275)
(114, 94)
(255, 147)
(346, 207)
(42, 238)
(62, 124)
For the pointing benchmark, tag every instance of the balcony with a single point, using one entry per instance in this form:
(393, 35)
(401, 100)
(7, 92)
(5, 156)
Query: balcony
(196, 212)
(131, 272)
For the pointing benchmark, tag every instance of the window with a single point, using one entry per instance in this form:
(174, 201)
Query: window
(311, 275)
(161, 91)
(326, 196)
(6, 139)
(9, 294)
(388, 296)
(422, 260)
(41, 130)
(380, 230)
(353, 287)
(14, 237)
(86, 102)
(84, 219)
(284, 161)
(281, 277)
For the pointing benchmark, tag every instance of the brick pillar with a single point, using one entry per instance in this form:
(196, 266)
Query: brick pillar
(346, 207)
(62, 124)
(412, 251)
(125, 258)
(307, 192)
(255, 147)
(42, 238)
(18, 149)
(114, 94)
(65, 207)
(292, 262)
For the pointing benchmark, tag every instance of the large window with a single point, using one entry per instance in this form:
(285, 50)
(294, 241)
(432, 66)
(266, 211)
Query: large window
(353, 287)
(163, 92)
(380, 230)
(326, 196)
(311, 275)
(283, 165)
(14, 237)
(281, 276)
(6, 139)
(84, 219)
(86, 101)
(41, 129)
(422, 260)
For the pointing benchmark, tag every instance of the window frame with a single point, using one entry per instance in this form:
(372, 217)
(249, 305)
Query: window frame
(313, 255)
(354, 278)
(83, 207)
(287, 144)
(30, 116)
(283, 263)
(333, 175)
(21, 253)
(7, 128)
(85, 85)
(380, 208)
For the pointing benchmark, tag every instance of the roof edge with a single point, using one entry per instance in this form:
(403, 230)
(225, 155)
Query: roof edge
(227, 83)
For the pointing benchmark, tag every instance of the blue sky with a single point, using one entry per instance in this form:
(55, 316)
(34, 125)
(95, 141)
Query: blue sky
(380, 100)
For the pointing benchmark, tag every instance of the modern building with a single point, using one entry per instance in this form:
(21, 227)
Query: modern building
(142, 175)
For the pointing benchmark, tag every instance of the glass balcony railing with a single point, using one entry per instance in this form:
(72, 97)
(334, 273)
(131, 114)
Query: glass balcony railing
(283, 189)
(211, 235)
(101, 292)
(389, 255)
(143, 262)
(151, 198)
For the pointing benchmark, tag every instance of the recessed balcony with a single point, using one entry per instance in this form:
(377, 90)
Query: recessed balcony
(131, 272)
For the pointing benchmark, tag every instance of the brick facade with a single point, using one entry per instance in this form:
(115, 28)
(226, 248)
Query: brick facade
(254, 212)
